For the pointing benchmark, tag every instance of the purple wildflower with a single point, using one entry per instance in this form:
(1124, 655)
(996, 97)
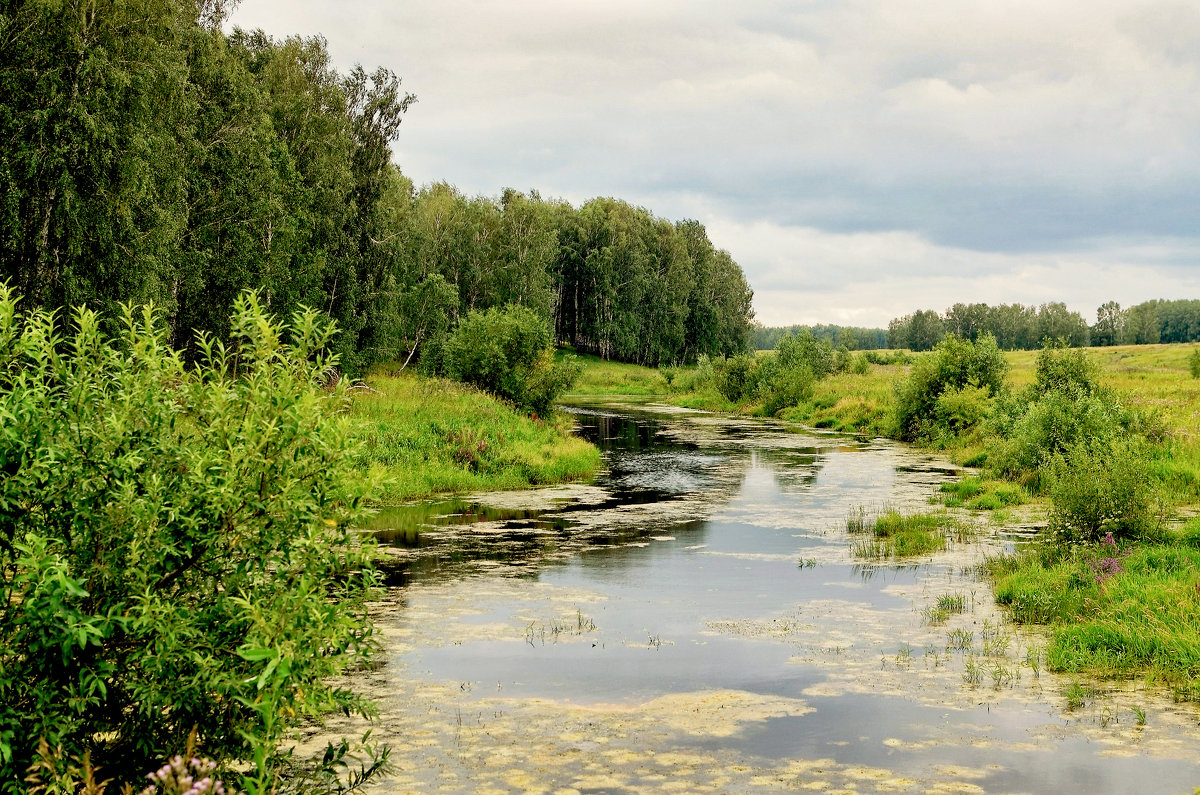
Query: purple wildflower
(1106, 567)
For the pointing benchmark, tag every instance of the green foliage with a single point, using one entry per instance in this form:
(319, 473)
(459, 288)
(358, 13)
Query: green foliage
(805, 350)
(1014, 326)
(1064, 407)
(146, 155)
(979, 494)
(888, 357)
(973, 370)
(920, 331)
(175, 542)
(1102, 488)
(1051, 425)
(509, 353)
(1062, 369)
(787, 376)
(765, 338)
(788, 388)
(1194, 363)
(959, 410)
(739, 378)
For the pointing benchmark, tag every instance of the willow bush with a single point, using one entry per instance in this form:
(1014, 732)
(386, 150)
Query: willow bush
(176, 549)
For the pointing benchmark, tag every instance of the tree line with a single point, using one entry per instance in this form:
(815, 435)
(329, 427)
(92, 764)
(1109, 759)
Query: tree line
(146, 156)
(854, 338)
(1021, 327)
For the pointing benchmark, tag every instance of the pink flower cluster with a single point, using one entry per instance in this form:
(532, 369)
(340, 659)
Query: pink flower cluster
(177, 777)
(1107, 566)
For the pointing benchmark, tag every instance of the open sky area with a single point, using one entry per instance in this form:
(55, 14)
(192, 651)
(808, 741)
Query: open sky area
(860, 159)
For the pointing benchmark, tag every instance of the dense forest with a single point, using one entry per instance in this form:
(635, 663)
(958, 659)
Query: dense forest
(146, 156)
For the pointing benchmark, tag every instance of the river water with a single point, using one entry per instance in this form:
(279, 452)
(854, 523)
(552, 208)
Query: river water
(695, 621)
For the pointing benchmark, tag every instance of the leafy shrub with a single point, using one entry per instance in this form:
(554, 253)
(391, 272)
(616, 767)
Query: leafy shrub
(1101, 489)
(509, 352)
(900, 356)
(739, 378)
(842, 359)
(794, 350)
(1062, 369)
(1194, 363)
(700, 377)
(1064, 407)
(1051, 425)
(788, 388)
(961, 409)
(176, 543)
(954, 365)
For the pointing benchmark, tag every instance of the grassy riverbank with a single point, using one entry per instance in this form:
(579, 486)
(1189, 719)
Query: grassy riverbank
(430, 436)
(1128, 423)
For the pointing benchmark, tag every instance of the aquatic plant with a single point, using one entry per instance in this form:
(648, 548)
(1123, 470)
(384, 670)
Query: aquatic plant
(946, 606)
(896, 535)
(972, 671)
(960, 640)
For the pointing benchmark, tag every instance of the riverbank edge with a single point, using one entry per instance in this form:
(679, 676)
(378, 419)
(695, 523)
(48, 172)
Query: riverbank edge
(428, 437)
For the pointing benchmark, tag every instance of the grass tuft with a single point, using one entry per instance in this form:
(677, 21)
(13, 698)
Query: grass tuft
(896, 535)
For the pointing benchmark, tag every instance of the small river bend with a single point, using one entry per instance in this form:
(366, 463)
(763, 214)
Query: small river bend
(694, 621)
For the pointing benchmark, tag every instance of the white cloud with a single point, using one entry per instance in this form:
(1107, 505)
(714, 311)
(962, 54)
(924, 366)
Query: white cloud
(804, 275)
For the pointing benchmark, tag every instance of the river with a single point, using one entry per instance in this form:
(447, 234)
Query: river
(695, 621)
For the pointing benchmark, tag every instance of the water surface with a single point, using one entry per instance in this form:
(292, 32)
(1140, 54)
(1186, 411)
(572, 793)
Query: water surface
(694, 621)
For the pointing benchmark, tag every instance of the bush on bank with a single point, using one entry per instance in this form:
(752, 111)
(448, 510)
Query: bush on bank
(176, 545)
(508, 352)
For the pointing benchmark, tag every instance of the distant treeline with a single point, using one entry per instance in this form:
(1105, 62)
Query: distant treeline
(766, 338)
(147, 156)
(1016, 326)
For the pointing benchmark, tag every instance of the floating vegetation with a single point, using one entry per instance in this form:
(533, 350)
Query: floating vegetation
(536, 633)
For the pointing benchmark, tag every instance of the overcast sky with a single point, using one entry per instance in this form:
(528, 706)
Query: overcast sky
(858, 158)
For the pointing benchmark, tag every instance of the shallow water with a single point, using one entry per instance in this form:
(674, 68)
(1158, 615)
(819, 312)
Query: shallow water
(694, 621)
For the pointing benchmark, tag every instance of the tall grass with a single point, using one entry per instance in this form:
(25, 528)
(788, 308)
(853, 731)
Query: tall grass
(895, 535)
(982, 494)
(431, 436)
(601, 377)
(1113, 610)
